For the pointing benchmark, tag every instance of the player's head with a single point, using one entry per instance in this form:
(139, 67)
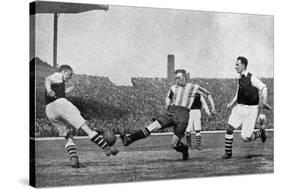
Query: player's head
(181, 77)
(66, 71)
(241, 64)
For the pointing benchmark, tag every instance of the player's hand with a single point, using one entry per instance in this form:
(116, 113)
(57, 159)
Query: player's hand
(51, 93)
(265, 106)
(261, 119)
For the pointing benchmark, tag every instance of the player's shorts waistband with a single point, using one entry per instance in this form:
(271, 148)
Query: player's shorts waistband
(248, 106)
(56, 101)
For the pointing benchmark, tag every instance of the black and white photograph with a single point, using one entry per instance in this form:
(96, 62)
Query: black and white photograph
(128, 93)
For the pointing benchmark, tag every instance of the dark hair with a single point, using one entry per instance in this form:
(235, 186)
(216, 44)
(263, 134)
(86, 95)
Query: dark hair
(243, 60)
(65, 67)
(181, 71)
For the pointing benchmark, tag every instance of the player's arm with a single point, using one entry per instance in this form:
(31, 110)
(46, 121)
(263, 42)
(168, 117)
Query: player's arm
(48, 83)
(69, 89)
(234, 100)
(54, 78)
(206, 93)
(205, 105)
(262, 91)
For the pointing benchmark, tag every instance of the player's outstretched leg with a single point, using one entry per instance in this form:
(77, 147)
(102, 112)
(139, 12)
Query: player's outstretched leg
(139, 134)
(228, 142)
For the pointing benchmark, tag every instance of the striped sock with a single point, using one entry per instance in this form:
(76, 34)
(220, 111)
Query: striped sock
(188, 139)
(198, 138)
(98, 139)
(257, 134)
(71, 150)
(228, 143)
(140, 134)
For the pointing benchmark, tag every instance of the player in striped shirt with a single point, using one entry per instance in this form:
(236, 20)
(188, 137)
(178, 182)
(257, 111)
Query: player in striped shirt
(64, 115)
(178, 103)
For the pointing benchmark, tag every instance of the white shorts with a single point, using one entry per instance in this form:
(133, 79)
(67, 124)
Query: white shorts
(194, 122)
(245, 116)
(63, 114)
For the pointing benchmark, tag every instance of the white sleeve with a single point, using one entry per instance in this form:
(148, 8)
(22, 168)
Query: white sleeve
(257, 83)
(202, 91)
(205, 105)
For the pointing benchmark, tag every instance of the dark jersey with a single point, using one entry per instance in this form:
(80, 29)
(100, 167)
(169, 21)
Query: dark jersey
(197, 104)
(59, 89)
(247, 93)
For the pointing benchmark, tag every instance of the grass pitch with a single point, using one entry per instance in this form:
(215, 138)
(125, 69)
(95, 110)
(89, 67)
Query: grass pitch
(150, 159)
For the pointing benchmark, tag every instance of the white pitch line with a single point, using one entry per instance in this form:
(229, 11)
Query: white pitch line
(154, 134)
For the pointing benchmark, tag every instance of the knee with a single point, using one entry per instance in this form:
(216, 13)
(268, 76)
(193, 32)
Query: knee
(245, 138)
(229, 129)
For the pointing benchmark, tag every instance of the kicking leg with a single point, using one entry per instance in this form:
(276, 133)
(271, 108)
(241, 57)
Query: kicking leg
(140, 134)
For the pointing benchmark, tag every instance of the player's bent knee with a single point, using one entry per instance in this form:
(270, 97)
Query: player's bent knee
(246, 138)
(154, 126)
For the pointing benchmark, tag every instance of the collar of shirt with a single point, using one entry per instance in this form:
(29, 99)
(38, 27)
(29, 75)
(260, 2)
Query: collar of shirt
(244, 72)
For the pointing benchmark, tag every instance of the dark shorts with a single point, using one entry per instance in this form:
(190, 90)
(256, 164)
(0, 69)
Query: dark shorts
(176, 116)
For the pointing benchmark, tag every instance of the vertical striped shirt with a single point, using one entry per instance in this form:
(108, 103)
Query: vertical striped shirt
(184, 96)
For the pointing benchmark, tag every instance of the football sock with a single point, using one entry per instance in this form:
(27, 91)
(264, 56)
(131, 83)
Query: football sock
(94, 136)
(140, 134)
(198, 138)
(257, 134)
(98, 140)
(188, 139)
(71, 150)
(228, 143)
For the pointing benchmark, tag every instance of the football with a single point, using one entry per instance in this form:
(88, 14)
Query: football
(109, 137)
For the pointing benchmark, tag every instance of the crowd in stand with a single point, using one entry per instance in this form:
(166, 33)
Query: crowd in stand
(107, 106)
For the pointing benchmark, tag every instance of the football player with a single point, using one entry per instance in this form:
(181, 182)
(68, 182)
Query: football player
(194, 123)
(251, 94)
(63, 114)
(178, 103)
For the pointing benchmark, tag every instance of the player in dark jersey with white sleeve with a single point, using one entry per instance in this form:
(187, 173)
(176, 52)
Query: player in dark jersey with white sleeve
(63, 114)
(178, 103)
(250, 96)
(194, 123)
